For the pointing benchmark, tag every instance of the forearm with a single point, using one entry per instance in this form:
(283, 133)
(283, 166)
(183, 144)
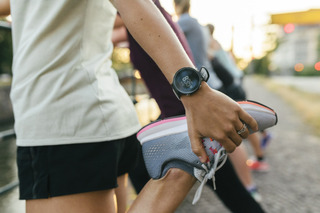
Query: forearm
(4, 7)
(153, 33)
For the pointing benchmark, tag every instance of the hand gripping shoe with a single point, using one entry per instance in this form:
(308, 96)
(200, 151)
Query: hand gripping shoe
(264, 115)
(166, 144)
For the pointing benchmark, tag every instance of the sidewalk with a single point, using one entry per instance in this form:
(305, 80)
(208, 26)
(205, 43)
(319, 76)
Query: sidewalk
(293, 184)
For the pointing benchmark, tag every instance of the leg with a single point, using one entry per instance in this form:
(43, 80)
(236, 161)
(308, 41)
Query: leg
(259, 164)
(238, 159)
(232, 193)
(255, 143)
(122, 193)
(266, 138)
(99, 201)
(169, 190)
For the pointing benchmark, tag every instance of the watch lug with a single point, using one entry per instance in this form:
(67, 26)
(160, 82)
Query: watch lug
(204, 73)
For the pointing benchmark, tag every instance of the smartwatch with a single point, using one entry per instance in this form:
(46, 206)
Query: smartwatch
(188, 80)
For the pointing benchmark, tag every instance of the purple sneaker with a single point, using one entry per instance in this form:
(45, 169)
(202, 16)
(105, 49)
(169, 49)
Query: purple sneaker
(266, 139)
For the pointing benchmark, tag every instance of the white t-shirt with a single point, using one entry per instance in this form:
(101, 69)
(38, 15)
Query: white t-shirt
(64, 90)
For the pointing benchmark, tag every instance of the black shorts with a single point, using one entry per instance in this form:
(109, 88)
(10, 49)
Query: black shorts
(49, 171)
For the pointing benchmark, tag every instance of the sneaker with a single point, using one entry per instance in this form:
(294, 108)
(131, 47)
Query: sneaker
(166, 144)
(260, 166)
(264, 115)
(255, 194)
(266, 139)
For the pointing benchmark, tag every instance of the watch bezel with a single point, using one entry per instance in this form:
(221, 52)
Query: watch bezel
(180, 89)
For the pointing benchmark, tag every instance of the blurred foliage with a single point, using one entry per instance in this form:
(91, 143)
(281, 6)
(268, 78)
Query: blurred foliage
(121, 60)
(261, 65)
(6, 53)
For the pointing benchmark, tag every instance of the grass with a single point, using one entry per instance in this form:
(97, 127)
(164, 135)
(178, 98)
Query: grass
(306, 104)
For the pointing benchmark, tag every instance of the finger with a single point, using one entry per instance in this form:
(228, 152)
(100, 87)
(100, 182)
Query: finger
(248, 119)
(228, 145)
(245, 134)
(242, 131)
(235, 138)
(198, 149)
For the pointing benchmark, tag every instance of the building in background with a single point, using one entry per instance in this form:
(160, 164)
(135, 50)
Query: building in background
(299, 43)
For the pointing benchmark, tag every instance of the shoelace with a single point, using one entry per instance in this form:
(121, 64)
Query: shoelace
(210, 173)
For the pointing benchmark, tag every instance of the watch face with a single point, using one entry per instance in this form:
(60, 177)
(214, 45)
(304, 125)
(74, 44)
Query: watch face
(187, 81)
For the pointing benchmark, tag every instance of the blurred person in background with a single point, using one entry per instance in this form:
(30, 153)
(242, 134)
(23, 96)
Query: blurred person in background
(232, 78)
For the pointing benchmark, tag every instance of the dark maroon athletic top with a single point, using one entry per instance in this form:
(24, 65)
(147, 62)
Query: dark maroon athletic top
(155, 81)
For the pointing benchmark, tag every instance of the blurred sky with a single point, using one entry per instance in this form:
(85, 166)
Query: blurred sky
(242, 14)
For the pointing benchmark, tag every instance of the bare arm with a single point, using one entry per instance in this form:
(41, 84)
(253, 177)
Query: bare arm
(149, 28)
(209, 113)
(4, 7)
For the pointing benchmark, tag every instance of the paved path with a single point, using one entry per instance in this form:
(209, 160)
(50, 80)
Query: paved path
(293, 184)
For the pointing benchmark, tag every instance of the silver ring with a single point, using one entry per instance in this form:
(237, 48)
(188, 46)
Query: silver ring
(242, 130)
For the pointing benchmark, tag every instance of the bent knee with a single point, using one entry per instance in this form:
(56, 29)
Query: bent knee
(176, 174)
